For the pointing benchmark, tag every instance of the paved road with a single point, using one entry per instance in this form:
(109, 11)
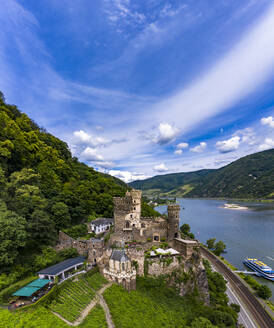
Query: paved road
(252, 305)
(244, 317)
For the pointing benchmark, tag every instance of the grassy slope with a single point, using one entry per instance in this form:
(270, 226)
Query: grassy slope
(43, 318)
(249, 177)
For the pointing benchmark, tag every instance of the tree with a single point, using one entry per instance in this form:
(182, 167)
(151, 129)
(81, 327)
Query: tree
(235, 307)
(202, 322)
(12, 235)
(264, 292)
(219, 247)
(185, 228)
(41, 228)
(211, 243)
(60, 215)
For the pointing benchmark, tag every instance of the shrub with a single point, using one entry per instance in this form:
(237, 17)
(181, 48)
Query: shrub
(264, 292)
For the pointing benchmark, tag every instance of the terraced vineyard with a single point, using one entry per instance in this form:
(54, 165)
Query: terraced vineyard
(74, 296)
(96, 280)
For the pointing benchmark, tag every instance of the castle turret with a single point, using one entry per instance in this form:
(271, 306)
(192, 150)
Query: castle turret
(127, 210)
(173, 211)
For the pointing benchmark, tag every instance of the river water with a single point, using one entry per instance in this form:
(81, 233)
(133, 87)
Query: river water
(246, 233)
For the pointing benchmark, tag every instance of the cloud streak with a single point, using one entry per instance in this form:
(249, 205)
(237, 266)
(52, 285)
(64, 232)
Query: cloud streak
(246, 67)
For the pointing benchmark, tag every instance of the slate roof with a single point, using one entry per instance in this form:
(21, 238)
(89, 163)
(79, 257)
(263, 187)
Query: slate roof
(102, 221)
(62, 266)
(119, 255)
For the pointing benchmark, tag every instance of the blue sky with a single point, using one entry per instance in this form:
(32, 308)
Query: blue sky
(139, 88)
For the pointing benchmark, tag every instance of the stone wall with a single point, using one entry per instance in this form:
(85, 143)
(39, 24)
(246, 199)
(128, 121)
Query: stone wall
(162, 265)
(65, 241)
(185, 247)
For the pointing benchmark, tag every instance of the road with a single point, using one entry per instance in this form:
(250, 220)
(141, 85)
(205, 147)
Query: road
(244, 317)
(240, 292)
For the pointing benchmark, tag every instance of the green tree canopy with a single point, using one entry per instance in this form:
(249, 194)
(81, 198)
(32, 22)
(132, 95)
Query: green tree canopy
(211, 243)
(12, 235)
(264, 292)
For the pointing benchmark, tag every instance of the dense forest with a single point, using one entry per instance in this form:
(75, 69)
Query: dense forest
(249, 177)
(43, 188)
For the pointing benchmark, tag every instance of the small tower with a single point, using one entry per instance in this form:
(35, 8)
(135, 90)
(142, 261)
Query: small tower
(127, 211)
(173, 211)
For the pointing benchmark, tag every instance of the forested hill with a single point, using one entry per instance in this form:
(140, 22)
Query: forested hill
(42, 187)
(249, 177)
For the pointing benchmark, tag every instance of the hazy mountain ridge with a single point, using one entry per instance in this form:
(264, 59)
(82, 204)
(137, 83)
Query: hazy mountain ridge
(251, 176)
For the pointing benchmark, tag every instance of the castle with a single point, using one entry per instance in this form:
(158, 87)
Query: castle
(129, 225)
(122, 255)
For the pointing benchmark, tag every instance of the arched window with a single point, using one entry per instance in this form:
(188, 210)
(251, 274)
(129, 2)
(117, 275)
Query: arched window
(127, 224)
(123, 266)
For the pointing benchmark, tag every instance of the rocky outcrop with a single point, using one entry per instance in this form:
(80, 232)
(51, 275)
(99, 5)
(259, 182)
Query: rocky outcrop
(187, 275)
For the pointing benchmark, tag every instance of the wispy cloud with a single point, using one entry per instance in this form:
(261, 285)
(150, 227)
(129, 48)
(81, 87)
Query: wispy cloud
(232, 78)
(269, 121)
(268, 144)
(200, 148)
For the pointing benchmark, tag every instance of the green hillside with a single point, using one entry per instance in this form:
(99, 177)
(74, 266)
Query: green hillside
(43, 189)
(249, 177)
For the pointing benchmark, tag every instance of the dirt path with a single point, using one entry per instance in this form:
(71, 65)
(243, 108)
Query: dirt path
(86, 311)
(97, 298)
(107, 313)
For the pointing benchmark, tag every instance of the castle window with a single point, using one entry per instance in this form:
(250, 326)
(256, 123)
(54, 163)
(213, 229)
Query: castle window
(143, 225)
(123, 266)
(176, 235)
(133, 225)
(127, 224)
(156, 238)
(131, 216)
(134, 208)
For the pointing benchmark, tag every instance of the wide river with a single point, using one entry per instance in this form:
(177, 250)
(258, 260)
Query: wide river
(245, 232)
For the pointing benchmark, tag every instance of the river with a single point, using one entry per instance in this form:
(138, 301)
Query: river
(246, 233)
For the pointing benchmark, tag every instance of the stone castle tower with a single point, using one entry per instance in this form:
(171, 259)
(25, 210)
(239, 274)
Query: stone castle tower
(173, 211)
(127, 211)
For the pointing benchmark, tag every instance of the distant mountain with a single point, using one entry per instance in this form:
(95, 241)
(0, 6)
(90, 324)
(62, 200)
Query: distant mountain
(251, 176)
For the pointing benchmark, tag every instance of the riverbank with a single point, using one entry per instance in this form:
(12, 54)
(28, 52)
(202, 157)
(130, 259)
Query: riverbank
(246, 280)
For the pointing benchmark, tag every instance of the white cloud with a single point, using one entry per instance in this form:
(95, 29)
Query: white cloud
(178, 152)
(160, 168)
(228, 81)
(85, 138)
(247, 135)
(200, 148)
(104, 164)
(268, 144)
(268, 121)
(166, 133)
(91, 155)
(182, 145)
(127, 176)
(228, 145)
